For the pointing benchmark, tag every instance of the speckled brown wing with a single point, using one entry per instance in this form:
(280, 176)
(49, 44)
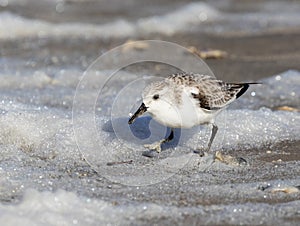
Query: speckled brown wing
(215, 94)
(211, 93)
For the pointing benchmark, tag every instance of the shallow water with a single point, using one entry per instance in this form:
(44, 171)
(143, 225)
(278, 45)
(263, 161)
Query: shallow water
(52, 161)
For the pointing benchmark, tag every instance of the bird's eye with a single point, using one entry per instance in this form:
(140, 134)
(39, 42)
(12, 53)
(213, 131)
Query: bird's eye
(155, 97)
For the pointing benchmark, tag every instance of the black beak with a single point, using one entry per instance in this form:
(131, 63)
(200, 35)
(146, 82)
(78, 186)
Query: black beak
(142, 109)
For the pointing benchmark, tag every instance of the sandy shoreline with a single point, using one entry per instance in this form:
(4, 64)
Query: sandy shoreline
(218, 195)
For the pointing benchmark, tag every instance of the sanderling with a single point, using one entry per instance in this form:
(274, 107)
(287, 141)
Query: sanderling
(185, 100)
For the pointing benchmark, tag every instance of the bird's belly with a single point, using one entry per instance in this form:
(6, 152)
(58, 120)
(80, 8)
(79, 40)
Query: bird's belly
(171, 119)
(183, 118)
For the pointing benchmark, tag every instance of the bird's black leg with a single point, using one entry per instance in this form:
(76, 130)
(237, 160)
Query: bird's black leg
(214, 131)
(169, 138)
(157, 145)
(227, 159)
(212, 136)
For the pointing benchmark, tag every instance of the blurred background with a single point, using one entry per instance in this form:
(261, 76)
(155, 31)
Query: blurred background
(261, 38)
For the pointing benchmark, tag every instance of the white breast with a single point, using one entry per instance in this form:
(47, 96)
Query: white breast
(186, 114)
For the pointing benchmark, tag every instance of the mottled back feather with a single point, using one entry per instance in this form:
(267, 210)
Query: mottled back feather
(211, 93)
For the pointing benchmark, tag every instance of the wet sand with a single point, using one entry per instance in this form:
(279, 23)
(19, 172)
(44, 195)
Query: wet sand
(250, 57)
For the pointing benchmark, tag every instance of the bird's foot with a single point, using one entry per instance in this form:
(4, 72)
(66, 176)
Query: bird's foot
(155, 146)
(230, 160)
